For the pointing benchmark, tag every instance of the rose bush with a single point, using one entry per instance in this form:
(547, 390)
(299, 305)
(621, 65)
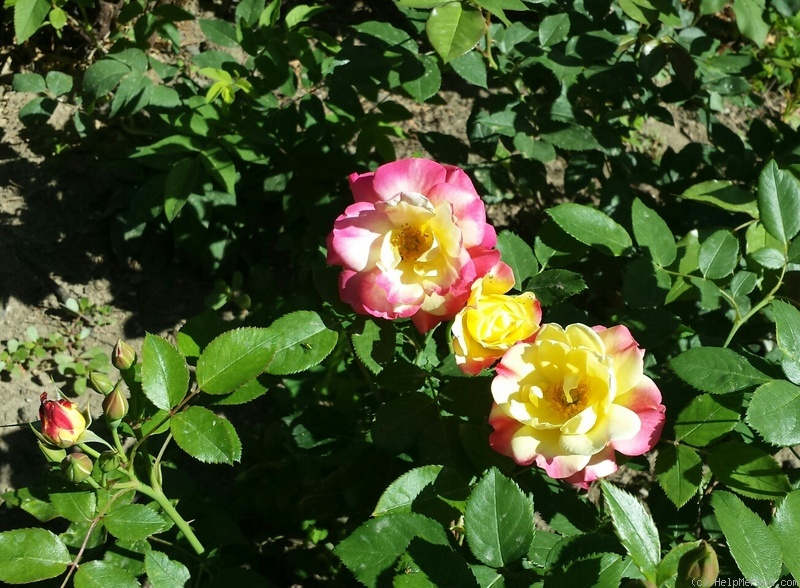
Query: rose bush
(413, 242)
(573, 397)
(493, 321)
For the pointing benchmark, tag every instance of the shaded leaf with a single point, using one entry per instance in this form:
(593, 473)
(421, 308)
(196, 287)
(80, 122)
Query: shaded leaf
(748, 471)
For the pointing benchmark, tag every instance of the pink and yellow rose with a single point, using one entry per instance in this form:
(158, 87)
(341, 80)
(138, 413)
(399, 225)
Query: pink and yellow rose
(413, 242)
(572, 398)
(493, 321)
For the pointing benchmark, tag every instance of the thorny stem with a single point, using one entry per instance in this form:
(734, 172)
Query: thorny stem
(180, 522)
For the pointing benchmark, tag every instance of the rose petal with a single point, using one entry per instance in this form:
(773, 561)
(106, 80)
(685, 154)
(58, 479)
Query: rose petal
(407, 175)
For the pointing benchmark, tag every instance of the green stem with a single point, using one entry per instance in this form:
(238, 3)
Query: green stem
(88, 450)
(181, 523)
(488, 37)
(118, 444)
(766, 300)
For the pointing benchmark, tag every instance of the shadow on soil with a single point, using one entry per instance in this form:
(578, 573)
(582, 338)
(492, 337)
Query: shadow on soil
(55, 219)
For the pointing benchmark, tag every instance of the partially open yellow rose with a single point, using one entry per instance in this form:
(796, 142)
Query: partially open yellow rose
(493, 321)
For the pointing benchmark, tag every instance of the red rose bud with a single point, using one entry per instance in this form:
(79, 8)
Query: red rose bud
(698, 567)
(76, 467)
(62, 422)
(123, 357)
(115, 405)
(101, 382)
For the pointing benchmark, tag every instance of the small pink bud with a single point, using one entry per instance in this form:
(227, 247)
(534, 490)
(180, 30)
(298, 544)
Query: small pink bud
(62, 422)
(123, 357)
(115, 405)
(76, 467)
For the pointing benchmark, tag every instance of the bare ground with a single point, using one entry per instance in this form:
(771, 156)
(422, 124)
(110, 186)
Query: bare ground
(54, 244)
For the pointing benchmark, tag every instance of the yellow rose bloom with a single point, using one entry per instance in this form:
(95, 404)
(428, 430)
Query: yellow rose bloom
(493, 321)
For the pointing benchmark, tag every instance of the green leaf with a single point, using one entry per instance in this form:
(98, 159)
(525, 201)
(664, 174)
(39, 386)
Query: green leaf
(704, 420)
(134, 521)
(165, 377)
(779, 202)
(402, 492)
(719, 255)
(752, 544)
(302, 13)
(679, 471)
(454, 28)
(532, 148)
(102, 76)
(376, 545)
(301, 341)
(518, 255)
(787, 324)
(750, 20)
(472, 68)
(785, 527)
(180, 183)
(554, 286)
(591, 227)
(233, 358)
(30, 82)
(77, 507)
(101, 574)
(428, 83)
(249, 12)
(572, 138)
(653, 234)
(553, 29)
(774, 412)
(374, 345)
(206, 436)
(716, 370)
(59, 83)
(725, 195)
(498, 520)
(162, 572)
(57, 18)
(604, 569)
(769, 258)
(635, 528)
(31, 555)
(748, 471)
(242, 395)
(219, 31)
(28, 17)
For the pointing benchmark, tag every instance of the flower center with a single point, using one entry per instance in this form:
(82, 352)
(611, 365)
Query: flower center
(569, 398)
(410, 242)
